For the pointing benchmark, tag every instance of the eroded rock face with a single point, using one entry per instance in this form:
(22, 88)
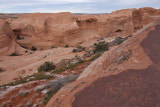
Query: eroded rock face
(6, 36)
(143, 16)
(59, 29)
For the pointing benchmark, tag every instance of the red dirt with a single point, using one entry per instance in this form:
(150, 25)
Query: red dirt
(130, 88)
(16, 100)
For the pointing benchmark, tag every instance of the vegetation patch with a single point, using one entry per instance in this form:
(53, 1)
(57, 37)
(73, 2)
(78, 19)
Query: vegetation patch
(74, 50)
(33, 48)
(34, 77)
(119, 40)
(101, 47)
(57, 71)
(67, 46)
(39, 76)
(26, 51)
(48, 96)
(123, 56)
(47, 66)
(52, 47)
(15, 54)
(1, 69)
(96, 56)
(79, 49)
(54, 86)
(67, 66)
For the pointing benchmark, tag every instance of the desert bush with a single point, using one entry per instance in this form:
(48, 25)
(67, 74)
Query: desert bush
(95, 57)
(130, 35)
(47, 66)
(66, 46)
(71, 66)
(33, 48)
(48, 96)
(15, 54)
(67, 66)
(26, 51)
(74, 50)
(119, 40)
(1, 69)
(52, 47)
(79, 49)
(38, 76)
(123, 56)
(56, 84)
(101, 47)
(56, 71)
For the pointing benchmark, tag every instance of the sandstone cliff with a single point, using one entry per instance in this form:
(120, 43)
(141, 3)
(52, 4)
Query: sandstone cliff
(45, 30)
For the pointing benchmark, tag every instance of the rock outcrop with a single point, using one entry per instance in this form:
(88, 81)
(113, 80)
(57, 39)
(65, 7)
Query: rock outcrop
(46, 30)
(108, 83)
(7, 44)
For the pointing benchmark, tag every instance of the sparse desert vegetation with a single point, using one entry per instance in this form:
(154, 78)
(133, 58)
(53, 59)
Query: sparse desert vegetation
(101, 47)
(47, 66)
(33, 48)
(15, 54)
(1, 69)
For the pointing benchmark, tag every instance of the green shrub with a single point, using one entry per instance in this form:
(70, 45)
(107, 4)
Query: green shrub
(49, 96)
(40, 76)
(15, 54)
(130, 35)
(79, 49)
(1, 70)
(95, 57)
(74, 50)
(47, 66)
(119, 40)
(56, 71)
(101, 47)
(66, 46)
(69, 66)
(33, 48)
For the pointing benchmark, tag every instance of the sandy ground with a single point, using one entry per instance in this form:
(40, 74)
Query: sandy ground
(26, 64)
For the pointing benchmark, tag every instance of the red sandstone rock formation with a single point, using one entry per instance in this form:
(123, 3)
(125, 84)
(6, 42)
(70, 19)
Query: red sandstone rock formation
(123, 74)
(59, 29)
(7, 43)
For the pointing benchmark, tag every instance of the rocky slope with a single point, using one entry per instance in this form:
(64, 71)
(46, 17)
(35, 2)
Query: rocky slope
(128, 73)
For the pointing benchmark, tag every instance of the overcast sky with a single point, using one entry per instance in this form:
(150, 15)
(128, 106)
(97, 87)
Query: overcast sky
(75, 6)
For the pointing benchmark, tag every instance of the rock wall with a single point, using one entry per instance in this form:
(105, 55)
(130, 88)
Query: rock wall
(44, 30)
(6, 36)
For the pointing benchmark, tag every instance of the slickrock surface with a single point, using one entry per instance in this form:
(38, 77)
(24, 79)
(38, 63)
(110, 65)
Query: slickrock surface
(133, 81)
